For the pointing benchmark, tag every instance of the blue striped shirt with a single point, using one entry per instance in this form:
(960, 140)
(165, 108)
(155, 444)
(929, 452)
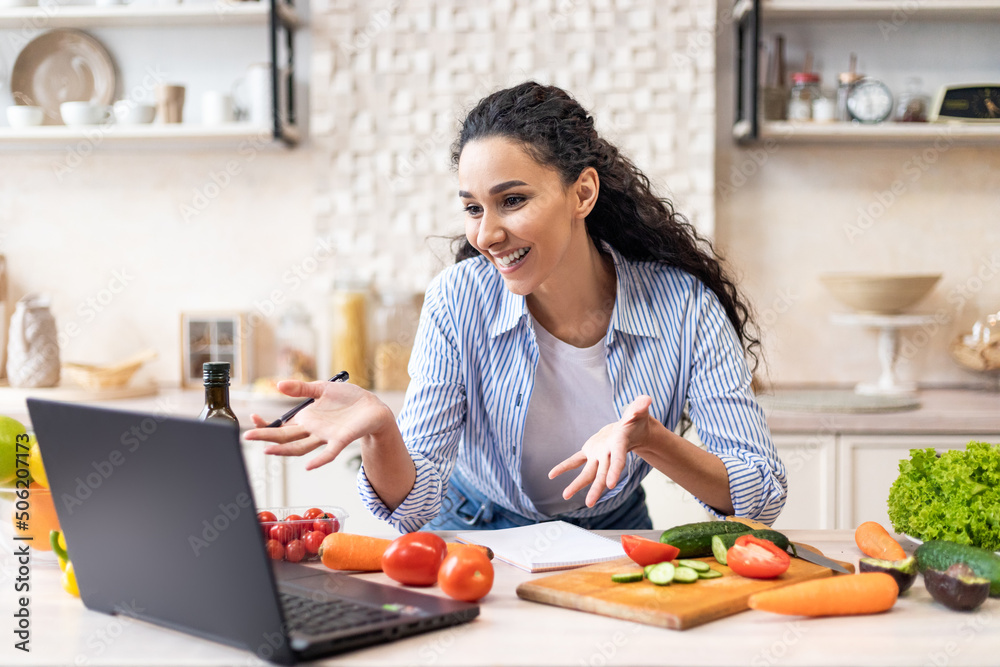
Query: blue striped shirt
(472, 371)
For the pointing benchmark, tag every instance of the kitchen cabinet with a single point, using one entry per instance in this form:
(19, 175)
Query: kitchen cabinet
(202, 45)
(810, 464)
(944, 42)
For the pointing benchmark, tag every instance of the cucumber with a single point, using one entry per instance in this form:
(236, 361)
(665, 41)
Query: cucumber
(710, 574)
(940, 555)
(696, 565)
(661, 574)
(721, 543)
(695, 539)
(685, 575)
(626, 577)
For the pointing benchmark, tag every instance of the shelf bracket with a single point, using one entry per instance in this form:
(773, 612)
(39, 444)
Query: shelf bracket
(746, 15)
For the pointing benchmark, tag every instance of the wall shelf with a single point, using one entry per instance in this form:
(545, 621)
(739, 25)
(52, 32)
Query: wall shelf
(803, 132)
(112, 133)
(880, 9)
(80, 16)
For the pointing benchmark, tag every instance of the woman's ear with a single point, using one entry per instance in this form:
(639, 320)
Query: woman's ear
(585, 191)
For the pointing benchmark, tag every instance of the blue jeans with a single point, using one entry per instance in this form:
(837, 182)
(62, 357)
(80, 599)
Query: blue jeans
(464, 508)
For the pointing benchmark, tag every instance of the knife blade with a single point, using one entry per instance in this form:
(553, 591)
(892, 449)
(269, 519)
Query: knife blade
(796, 549)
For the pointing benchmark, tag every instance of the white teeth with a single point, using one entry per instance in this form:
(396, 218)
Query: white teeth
(507, 260)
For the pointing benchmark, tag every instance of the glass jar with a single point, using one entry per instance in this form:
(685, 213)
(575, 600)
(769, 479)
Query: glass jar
(394, 328)
(349, 329)
(805, 90)
(824, 107)
(911, 107)
(296, 342)
(845, 82)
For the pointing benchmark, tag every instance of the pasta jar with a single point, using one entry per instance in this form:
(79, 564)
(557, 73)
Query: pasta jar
(805, 90)
(349, 330)
(296, 343)
(394, 328)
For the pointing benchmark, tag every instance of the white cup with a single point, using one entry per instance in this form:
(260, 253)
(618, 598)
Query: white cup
(216, 108)
(130, 112)
(84, 113)
(256, 100)
(25, 116)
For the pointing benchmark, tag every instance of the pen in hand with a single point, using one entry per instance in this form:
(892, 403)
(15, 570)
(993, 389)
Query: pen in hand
(339, 377)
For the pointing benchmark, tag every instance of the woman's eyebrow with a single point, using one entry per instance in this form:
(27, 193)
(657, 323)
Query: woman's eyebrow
(499, 187)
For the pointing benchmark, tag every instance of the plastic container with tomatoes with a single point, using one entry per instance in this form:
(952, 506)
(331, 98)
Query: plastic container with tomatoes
(295, 533)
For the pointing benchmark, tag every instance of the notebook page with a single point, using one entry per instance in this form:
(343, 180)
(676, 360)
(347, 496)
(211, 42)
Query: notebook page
(540, 547)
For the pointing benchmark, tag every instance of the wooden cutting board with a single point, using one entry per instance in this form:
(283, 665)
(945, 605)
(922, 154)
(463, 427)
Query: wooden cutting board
(677, 606)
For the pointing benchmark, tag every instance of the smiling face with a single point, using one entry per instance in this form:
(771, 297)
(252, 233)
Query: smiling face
(522, 218)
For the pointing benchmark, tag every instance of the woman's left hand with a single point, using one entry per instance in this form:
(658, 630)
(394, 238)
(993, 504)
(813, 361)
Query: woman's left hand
(603, 455)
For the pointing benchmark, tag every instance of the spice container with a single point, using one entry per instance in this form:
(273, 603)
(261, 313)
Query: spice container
(349, 329)
(805, 90)
(911, 107)
(845, 82)
(394, 327)
(824, 108)
(296, 342)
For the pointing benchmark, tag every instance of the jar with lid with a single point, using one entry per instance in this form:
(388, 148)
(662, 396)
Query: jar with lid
(845, 82)
(805, 90)
(349, 329)
(394, 328)
(296, 343)
(911, 107)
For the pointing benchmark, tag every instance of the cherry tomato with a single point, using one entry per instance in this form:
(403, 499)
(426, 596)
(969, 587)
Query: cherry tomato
(266, 516)
(312, 540)
(327, 523)
(312, 513)
(756, 558)
(414, 559)
(275, 550)
(295, 551)
(647, 552)
(466, 574)
(282, 533)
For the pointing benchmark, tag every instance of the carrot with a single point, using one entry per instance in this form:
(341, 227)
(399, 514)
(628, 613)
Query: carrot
(875, 541)
(866, 593)
(346, 551)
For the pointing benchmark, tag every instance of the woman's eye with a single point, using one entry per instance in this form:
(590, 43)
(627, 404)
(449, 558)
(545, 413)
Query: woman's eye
(512, 200)
(473, 209)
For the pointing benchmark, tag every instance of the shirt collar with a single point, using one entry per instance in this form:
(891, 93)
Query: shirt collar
(631, 314)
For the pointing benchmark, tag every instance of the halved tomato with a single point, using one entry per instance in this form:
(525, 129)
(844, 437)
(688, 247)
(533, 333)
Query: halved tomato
(756, 558)
(645, 551)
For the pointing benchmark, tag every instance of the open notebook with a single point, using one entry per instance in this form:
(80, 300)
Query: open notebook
(541, 547)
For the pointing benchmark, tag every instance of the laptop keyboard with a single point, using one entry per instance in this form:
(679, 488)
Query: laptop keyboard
(313, 617)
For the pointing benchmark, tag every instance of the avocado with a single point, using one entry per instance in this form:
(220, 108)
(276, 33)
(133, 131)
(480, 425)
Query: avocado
(958, 587)
(903, 571)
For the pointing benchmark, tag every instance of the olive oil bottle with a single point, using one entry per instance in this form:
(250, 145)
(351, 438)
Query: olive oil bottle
(217, 392)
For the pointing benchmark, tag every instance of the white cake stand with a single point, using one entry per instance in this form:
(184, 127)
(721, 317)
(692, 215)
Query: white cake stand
(888, 348)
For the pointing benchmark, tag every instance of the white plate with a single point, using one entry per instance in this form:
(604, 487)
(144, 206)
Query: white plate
(62, 66)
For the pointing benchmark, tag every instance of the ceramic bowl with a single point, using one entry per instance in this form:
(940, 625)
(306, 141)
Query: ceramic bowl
(880, 294)
(21, 116)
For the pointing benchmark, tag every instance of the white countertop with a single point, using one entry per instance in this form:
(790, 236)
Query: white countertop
(511, 631)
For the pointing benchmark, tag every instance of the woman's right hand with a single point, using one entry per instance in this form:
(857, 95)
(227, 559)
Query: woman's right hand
(342, 413)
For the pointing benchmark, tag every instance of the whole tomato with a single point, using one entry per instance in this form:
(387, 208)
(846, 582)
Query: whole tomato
(296, 523)
(282, 533)
(266, 516)
(295, 551)
(312, 540)
(414, 559)
(312, 513)
(466, 574)
(326, 523)
(275, 549)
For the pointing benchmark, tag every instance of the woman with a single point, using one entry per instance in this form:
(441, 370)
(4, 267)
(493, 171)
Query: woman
(581, 317)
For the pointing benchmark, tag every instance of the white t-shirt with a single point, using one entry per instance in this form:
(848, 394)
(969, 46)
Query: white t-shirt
(571, 401)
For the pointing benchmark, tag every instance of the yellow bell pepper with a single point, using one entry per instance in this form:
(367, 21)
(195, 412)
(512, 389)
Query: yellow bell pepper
(58, 542)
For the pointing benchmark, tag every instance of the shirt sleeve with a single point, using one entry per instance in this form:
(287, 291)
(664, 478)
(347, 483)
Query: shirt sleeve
(432, 418)
(729, 421)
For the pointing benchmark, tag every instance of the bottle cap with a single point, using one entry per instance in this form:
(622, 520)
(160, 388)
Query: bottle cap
(216, 372)
(805, 77)
(849, 77)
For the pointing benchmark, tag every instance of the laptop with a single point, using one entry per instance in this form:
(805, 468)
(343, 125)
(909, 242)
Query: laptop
(160, 520)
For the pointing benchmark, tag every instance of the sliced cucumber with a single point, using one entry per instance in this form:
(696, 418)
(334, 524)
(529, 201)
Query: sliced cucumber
(696, 565)
(711, 574)
(661, 574)
(626, 577)
(685, 575)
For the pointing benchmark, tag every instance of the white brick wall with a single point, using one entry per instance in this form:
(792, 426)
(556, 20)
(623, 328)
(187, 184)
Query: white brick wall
(393, 78)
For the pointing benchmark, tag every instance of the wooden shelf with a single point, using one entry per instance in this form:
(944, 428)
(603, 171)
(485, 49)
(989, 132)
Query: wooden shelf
(792, 132)
(61, 135)
(880, 9)
(251, 12)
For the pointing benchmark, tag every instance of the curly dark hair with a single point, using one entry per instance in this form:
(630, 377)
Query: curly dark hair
(559, 133)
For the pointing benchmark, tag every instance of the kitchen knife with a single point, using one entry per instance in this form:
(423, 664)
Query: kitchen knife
(796, 549)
